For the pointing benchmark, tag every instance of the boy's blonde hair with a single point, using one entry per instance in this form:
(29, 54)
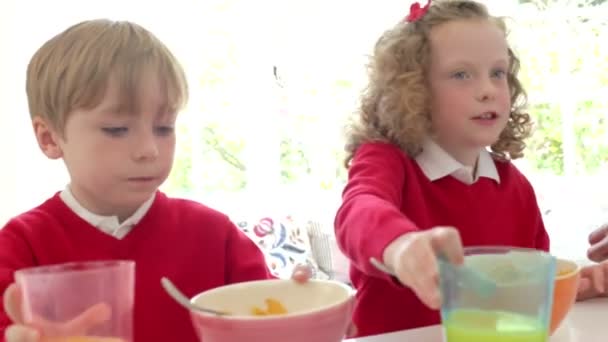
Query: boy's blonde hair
(72, 70)
(395, 105)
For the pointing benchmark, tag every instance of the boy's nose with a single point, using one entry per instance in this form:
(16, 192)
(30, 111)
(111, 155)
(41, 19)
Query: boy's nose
(145, 149)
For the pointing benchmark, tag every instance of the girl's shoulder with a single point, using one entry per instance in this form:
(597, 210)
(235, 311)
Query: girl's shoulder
(510, 174)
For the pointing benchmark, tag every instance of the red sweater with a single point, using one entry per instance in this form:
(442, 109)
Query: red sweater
(195, 246)
(388, 195)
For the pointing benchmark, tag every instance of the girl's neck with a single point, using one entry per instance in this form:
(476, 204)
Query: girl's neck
(465, 156)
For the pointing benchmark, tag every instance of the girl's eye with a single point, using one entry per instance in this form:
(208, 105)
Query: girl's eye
(499, 73)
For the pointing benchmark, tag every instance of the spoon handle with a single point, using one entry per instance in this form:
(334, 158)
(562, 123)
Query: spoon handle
(381, 267)
(179, 297)
(477, 281)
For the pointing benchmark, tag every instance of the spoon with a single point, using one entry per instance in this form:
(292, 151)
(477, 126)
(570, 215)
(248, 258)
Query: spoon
(179, 297)
(477, 281)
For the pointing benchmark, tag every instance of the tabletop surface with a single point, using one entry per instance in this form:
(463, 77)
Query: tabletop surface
(586, 322)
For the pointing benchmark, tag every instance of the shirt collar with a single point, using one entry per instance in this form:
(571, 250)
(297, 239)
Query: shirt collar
(107, 224)
(436, 163)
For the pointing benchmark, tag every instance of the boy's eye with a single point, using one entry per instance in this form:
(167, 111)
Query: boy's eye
(164, 130)
(460, 75)
(115, 131)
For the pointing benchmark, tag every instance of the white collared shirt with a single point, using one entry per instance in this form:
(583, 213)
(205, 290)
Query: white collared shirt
(107, 224)
(436, 163)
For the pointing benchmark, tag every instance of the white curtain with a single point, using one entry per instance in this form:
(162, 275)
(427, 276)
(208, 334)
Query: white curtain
(26, 177)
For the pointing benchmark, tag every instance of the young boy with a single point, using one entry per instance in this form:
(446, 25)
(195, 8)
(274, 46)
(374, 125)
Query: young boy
(104, 97)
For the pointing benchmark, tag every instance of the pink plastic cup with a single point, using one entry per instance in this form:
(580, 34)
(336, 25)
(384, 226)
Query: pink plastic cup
(80, 301)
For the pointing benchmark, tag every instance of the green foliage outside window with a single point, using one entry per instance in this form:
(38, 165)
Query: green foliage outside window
(564, 70)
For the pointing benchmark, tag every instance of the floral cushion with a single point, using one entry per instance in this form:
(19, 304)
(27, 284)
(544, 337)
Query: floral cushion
(283, 241)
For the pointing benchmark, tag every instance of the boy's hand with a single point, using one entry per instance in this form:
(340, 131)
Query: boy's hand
(598, 240)
(413, 258)
(19, 332)
(301, 273)
(594, 281)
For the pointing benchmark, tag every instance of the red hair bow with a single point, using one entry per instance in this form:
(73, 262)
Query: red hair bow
(417, 12)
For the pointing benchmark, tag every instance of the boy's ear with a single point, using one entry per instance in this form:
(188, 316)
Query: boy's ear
(48, 139)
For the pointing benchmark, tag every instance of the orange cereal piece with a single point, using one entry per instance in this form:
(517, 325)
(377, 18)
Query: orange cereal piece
(258, 312)
(275, 307)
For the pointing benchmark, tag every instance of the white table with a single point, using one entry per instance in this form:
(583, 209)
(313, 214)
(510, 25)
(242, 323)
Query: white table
(586, 322)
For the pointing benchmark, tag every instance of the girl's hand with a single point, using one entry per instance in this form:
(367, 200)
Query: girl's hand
(413, 258)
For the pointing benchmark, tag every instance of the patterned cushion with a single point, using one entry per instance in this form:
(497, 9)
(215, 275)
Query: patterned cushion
(284, 242)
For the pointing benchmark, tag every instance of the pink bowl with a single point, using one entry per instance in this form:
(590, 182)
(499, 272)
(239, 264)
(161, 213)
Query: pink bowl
(318, 311)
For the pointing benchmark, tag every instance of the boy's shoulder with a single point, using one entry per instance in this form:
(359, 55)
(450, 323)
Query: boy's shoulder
(164, 208)
(192, 209)
(192, 217)
(40, 214)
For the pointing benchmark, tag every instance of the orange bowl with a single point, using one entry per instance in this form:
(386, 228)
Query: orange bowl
(564, 292)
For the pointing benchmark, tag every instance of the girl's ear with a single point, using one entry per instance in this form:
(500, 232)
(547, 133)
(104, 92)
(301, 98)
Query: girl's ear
(48, 139)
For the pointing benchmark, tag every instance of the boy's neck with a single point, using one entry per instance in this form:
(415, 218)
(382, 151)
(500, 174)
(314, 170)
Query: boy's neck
(121, 215)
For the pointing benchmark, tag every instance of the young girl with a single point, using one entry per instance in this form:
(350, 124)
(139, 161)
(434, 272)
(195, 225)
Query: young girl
(442, 88)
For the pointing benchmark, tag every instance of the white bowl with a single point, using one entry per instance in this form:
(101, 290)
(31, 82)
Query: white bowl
(317, 311)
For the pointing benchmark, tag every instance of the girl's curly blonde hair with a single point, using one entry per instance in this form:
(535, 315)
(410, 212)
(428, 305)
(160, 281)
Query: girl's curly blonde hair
(395, 105)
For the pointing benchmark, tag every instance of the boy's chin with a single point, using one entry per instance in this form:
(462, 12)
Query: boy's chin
(135, 199)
